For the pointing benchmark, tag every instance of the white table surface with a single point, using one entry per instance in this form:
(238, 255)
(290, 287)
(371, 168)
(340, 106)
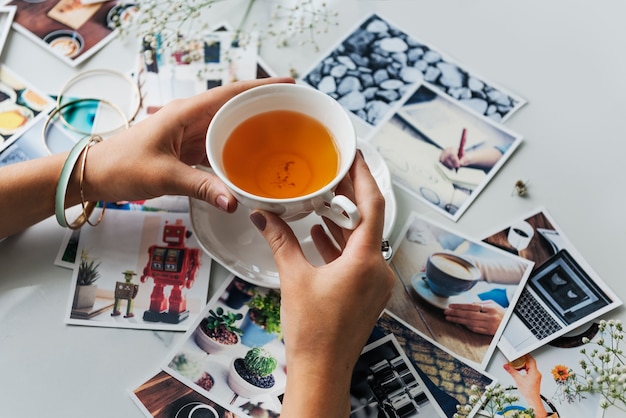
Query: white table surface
(566, 58)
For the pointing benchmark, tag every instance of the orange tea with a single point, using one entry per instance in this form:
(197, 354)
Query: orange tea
(280, 154)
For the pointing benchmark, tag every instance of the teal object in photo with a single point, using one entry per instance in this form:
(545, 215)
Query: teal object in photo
(82, 114)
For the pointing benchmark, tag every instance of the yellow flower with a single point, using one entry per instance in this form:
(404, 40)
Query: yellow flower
(560, 373)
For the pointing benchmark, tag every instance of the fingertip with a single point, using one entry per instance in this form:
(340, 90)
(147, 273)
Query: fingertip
(224, 203)
(280, 238)
(259, 220)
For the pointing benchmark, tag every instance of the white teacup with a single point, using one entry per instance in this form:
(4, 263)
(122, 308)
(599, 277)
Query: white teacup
(294, 98)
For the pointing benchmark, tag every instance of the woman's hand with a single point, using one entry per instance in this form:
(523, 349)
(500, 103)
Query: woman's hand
(481, 317)
(328, 312)
(151, 159)
(155, 157)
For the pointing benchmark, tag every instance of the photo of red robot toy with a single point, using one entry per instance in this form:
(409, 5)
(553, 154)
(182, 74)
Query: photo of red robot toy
(171, 264)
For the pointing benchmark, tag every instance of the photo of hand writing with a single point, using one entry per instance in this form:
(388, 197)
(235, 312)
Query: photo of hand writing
(457, 291)
(442, 152)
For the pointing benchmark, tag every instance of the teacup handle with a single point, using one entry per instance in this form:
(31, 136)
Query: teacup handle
(340, 210)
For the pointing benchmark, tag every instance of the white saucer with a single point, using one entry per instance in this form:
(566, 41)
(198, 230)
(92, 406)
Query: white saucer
(423, 290)
(232, 240)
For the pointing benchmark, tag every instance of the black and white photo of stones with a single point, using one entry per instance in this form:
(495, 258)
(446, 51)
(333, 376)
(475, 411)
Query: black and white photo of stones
(372, 69)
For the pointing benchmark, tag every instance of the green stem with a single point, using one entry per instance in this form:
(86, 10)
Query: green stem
(244, 19)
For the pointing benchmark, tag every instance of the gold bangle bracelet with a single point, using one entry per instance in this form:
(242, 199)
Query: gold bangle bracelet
(83, 217)
(86, 205)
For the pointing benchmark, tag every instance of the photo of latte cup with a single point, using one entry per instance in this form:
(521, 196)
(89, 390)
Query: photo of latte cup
(203, 411)
(284, 148)
(520, 235)
(448, 274)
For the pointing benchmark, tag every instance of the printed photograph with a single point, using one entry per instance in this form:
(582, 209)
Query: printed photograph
(70, 29)
(233, 353)
(140, 270)
(456, 291)
(441, 152)
(562, 293)
(193, 66)
(162, 396)
(563, 378)
(447, 380)
(28, 144)
(7, 13)
(373, 67)
(385, 384)
(241, 326)
(21, 106)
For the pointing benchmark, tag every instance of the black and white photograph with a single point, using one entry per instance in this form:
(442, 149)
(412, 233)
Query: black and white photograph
(442, 153)
(374, 67)
(386, 385)
(447, 379)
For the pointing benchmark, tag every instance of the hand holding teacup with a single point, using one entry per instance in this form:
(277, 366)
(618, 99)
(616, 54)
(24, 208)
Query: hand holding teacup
(284, 148)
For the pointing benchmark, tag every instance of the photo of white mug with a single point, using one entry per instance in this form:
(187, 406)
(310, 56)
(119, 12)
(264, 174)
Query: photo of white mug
(520, 235)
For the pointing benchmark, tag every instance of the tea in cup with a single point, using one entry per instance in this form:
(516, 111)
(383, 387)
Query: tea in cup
(448, 274)
(284, 148)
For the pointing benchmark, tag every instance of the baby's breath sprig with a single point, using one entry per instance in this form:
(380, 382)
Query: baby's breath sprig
(169, 20)
(603, 372)
(301, 22)
(604, 366)
(172, 22)
(494, 401)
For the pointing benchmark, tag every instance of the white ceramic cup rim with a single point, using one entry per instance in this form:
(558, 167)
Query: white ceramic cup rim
(346, 158)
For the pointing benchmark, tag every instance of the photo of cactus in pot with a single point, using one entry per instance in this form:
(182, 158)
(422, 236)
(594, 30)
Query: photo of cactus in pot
(252, 375)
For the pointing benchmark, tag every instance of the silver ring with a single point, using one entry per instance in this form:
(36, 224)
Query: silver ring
(386, 249)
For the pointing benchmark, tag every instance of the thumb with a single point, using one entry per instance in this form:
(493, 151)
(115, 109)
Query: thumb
(202, 184)
(282, 242)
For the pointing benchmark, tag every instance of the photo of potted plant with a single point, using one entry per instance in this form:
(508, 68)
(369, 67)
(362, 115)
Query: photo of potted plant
(239, 292)
(252, 375)
(192, 371)
(85, 292)
(262, 322)
(218, 330)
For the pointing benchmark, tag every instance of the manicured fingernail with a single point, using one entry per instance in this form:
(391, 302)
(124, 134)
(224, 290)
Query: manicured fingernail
(222, 202)
(258, 219)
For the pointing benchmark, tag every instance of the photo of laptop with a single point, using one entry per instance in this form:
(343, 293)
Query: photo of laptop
(558, 294)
